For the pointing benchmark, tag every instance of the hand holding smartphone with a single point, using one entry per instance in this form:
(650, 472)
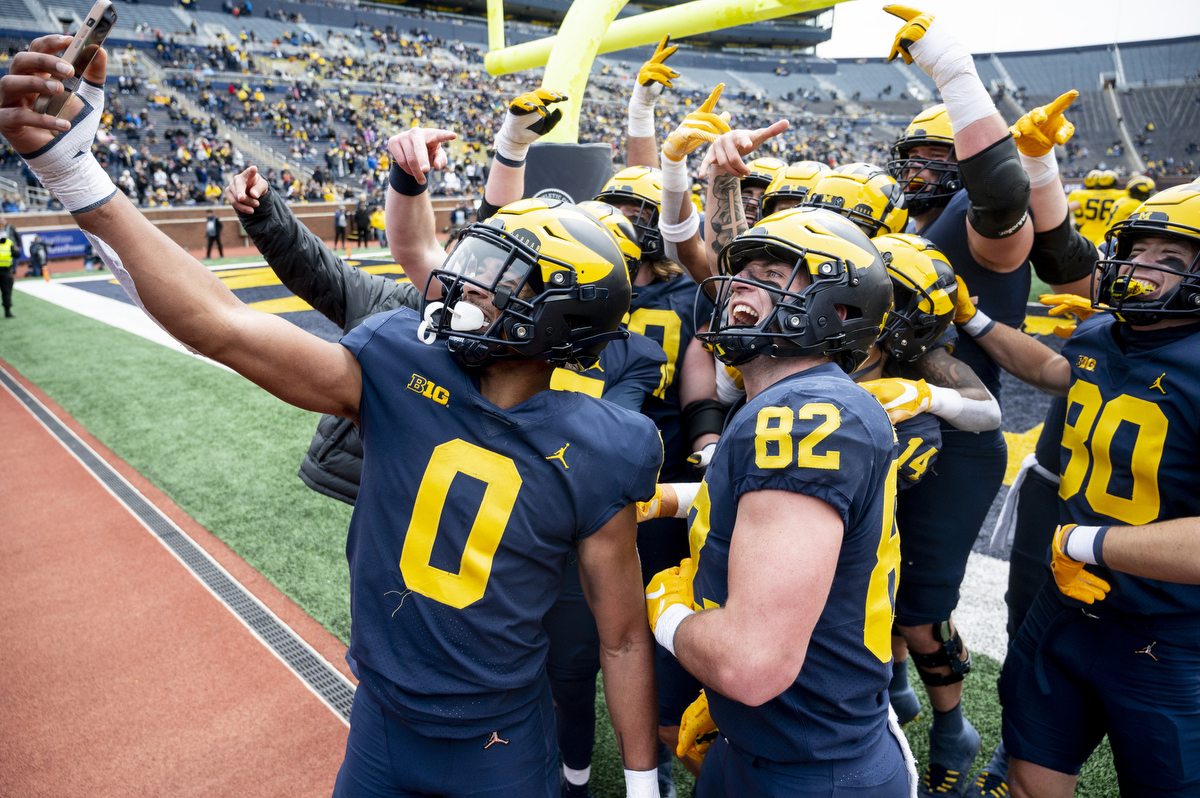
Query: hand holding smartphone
(79, 54)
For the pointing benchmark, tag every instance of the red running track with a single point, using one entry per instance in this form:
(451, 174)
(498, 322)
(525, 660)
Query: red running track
(120, 674)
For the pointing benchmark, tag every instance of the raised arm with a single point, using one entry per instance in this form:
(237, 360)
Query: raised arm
(611, 577)
(1061, 256)
(527, 120)
(641, 148)
(679, 223)
(411, 227)
(998, 229)
(310, 270)
(174, 288)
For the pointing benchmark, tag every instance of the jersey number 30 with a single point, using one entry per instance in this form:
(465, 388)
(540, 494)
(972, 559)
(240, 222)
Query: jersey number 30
(503, 482)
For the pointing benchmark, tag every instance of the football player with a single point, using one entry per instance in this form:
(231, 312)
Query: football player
(450, 654)
(1138, 189)
(864, 194)
(1112, 644)
(791, 185)
(763, 172)
(788, 625)
(968, 191)
(1076, 198)
(1096, 206)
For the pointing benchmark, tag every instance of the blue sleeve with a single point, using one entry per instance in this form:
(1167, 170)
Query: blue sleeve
(838, 462)
(632, 472)
(639, 375)
(357, 339)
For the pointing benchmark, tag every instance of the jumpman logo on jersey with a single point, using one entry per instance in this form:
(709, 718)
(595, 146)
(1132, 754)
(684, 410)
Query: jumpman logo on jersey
(559, 457)
(1149, 650)
(1158, 383)
(495, 738)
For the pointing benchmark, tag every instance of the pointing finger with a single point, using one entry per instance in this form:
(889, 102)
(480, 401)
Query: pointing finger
(1062, 103)
(905, 13)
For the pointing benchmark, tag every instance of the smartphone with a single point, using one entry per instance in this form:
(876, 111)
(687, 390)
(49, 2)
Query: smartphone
(79, 54)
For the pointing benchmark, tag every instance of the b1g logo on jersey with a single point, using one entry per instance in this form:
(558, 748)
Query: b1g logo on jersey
(428, 389)
(1086, 363)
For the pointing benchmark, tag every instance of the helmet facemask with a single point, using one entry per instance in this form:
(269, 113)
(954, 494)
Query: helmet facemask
(920, 194)
(491, 265)
(912, 327)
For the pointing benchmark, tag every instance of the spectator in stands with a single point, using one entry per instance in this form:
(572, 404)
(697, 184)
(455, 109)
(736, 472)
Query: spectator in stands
(212, 230)
(377, 225)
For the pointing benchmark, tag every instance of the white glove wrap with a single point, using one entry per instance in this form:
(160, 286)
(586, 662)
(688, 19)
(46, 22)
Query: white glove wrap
(727, 390)
(944, 59)
(66, 166)
(971, 415)
(674, 196)
(641, 109)
(514, 137)
(979, 324)
(1042, 169)
(668, 625)
(686, 494)
(641, 783)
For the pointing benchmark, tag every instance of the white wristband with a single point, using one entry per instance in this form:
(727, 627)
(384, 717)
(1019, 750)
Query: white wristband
(979, 324)
(1082, 544)
(668, 625)
(675, 233)
(686, 494)
(66, 166)
(641, 109)
(946, 403)
(641, 783)
(1042, 169)
(674, 174)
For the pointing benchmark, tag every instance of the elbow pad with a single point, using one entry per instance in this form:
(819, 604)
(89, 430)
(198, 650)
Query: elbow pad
(703, 417)
(998, 189)
(1062, 255)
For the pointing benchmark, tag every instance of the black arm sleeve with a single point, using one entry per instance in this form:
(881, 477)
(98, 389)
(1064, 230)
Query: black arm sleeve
(998, 189)
(486, 210)
(343, 294)
(1061, 255)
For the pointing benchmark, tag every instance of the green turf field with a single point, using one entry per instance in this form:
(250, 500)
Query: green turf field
(227, 453)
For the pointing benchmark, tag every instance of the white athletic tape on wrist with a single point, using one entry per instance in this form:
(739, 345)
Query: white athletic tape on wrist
(686, 493)
(945, 402)
(1042, 169)
(668, 625)
(66, 166)
(950, 65)
(641, 783)
(676, 233)
(674, 174)
(113, 261)
(1084, 544)
(514, 137)
(979, 324)
(641, 109)
(577, 777)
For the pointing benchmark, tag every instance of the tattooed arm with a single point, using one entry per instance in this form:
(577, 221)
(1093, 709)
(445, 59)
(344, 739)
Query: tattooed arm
(724, 215)
(975, 409)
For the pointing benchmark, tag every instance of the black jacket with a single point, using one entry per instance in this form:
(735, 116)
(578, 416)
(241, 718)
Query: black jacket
(344, 295)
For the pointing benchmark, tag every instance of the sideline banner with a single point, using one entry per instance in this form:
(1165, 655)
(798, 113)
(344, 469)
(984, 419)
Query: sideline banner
(61, 242)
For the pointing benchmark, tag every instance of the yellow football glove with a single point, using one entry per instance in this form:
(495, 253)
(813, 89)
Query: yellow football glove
(916, 23)
(964, 308)
(654, 70)
(535, 102)
(672, 586)
(663, 504)
(1039, 130)
(699, 127)
(696, 731)
(1072, 579)
(1069, 305)
(902, 399)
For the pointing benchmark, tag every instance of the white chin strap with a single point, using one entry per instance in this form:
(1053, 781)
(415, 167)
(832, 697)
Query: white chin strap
(464, 317)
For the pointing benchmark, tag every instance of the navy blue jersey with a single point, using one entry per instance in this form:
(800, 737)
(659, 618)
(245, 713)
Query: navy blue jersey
(665, 313)
(628, 371)
(818, 434)
(1001, 296)
(463, 524)
(1131, 442)
(919, 441)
